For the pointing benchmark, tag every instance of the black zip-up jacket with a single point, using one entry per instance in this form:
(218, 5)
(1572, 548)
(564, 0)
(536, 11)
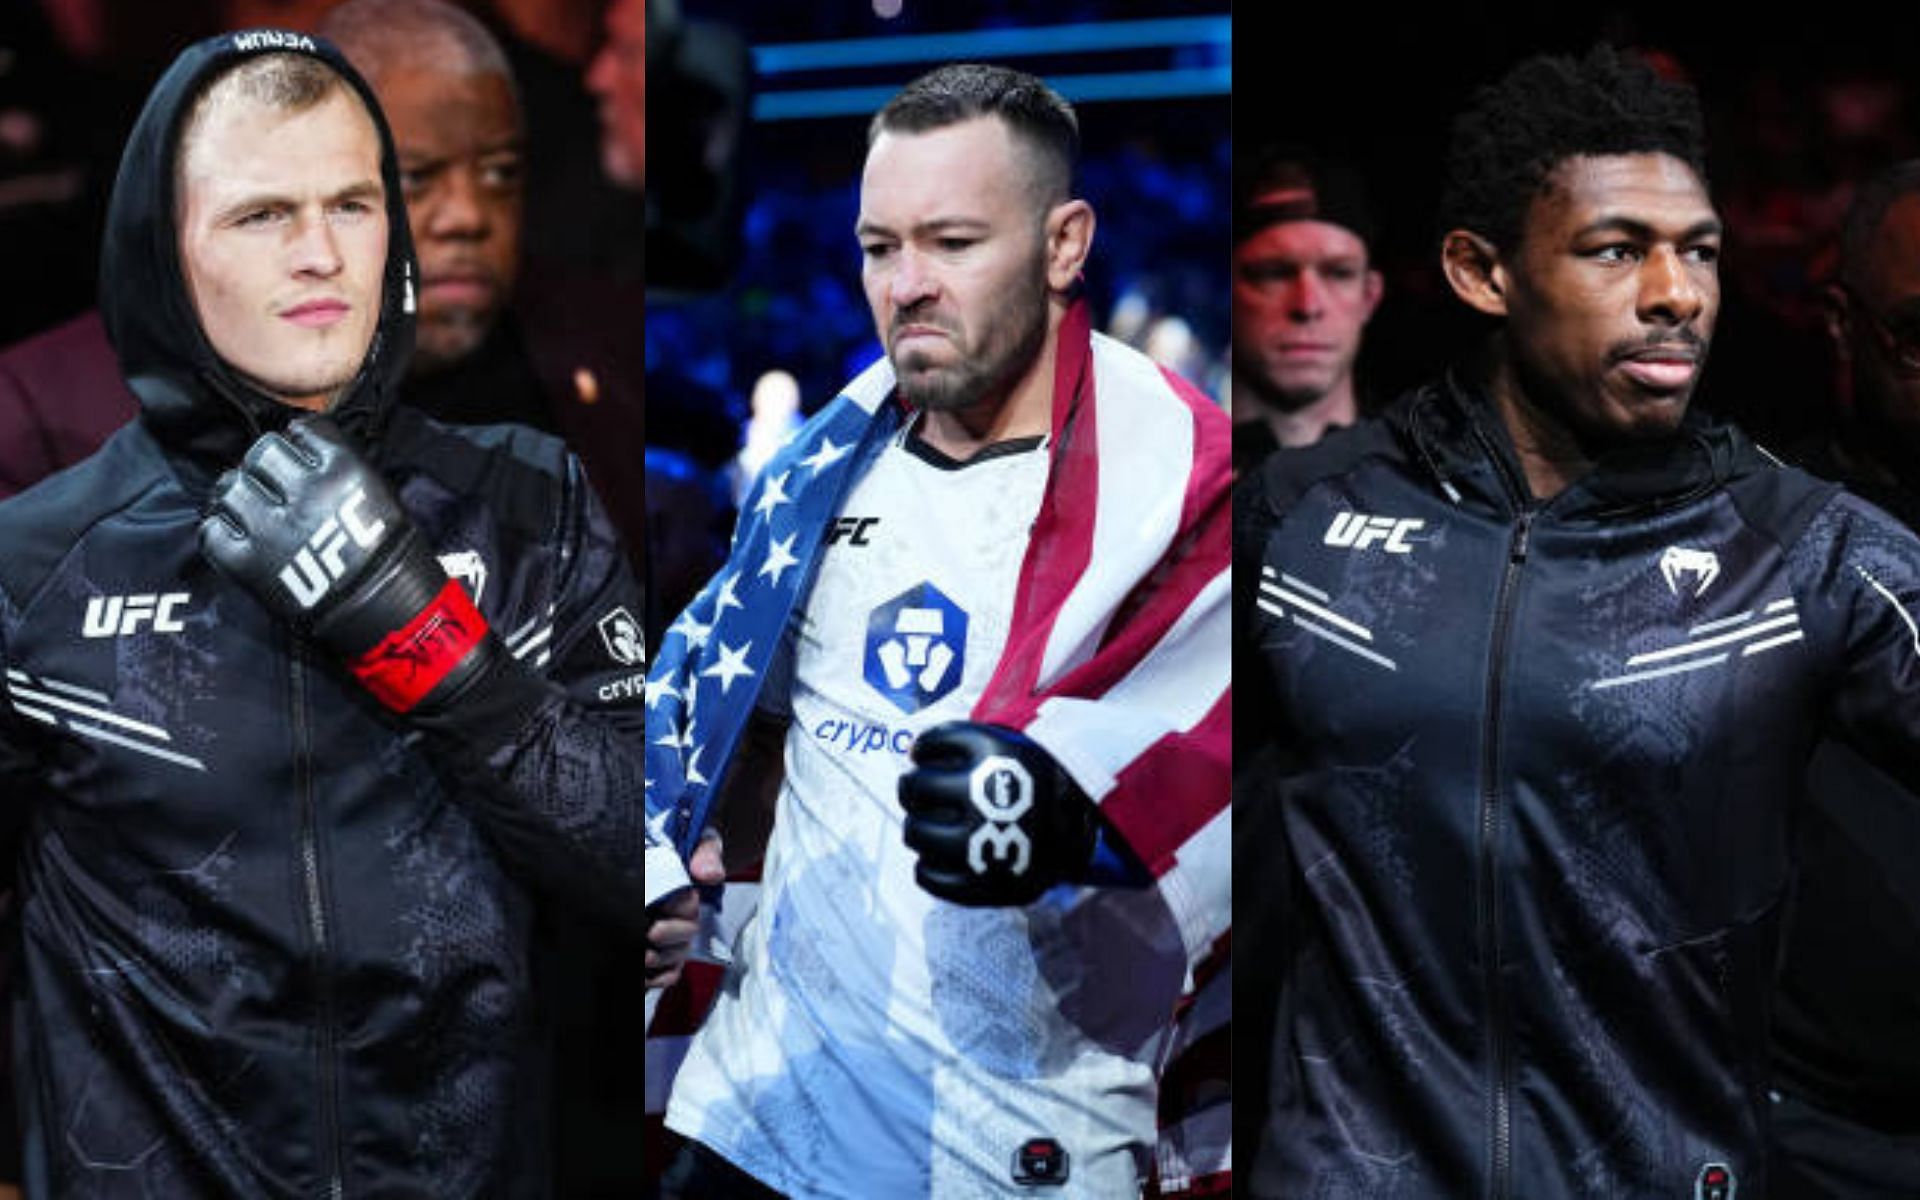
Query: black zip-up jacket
(1535, 766)
(275, 938)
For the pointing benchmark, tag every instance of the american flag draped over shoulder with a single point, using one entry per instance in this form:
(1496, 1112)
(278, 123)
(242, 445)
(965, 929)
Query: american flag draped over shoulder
(1118, 660)
(713, 659)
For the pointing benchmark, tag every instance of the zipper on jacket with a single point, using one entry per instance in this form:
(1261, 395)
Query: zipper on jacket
(1499, 1037)
(315, 896)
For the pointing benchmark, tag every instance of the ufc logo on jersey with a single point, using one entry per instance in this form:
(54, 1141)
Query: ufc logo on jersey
(321, 562)
(853, 529)
(118, 616)
(1002, 791)
(1359, 531)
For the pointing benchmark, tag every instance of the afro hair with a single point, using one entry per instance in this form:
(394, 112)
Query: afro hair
(1551, 108)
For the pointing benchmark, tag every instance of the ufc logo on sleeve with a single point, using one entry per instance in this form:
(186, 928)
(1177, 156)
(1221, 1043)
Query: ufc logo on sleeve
(320, 563)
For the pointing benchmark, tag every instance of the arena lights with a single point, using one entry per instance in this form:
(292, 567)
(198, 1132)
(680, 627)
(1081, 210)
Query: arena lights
(1212, 34)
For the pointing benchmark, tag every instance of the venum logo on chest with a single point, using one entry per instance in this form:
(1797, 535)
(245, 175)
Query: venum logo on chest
(1686, 568)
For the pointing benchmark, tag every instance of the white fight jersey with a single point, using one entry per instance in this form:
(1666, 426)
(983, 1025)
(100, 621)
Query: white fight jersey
(871, 1040)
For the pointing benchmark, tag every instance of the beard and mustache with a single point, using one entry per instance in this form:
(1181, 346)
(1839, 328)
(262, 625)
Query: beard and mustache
(985, 364)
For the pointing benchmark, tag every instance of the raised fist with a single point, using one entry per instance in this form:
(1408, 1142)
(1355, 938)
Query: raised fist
(994, 818)
(316, 535)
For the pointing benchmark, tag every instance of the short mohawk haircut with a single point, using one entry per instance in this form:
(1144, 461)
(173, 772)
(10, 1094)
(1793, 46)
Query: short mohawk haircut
(1552, 108)
(1038, 116)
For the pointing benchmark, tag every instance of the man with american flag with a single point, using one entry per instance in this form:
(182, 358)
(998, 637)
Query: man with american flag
(971, 646)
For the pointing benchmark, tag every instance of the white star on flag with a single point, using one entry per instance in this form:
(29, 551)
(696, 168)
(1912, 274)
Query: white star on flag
(775, 494)
(727, 598)
(690, 629)
(824, 455)
(779, 558)
(732, 665)
(694, 777)
(658, 690)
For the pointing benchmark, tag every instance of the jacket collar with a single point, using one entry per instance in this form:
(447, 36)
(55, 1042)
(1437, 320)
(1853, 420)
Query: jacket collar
(1458, 437)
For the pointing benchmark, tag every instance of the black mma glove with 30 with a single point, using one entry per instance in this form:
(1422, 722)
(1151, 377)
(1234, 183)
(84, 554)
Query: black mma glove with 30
(995, 819)
(313, 531)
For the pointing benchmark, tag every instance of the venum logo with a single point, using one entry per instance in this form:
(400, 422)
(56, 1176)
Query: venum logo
(322, 561)
(1681, 565)
(272, 39)
(1359, 531)
(1002, 792)
(119, 616)
(469, 569)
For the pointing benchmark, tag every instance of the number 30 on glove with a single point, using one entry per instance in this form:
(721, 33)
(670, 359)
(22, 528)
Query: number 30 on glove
(316, 535)
(994, 819)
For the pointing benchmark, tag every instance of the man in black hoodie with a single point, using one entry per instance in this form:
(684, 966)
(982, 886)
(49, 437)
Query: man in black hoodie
(283, 790)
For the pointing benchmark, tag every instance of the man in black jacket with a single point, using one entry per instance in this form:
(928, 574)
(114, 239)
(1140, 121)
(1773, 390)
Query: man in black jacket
(1537, 661)
(299, 713)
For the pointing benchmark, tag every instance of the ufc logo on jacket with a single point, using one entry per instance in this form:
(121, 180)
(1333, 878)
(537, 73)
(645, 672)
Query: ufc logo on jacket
(120, 616)
(1359, 531)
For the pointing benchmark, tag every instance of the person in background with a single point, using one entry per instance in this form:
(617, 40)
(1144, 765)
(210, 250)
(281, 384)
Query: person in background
(617, 77)
(1304, 288)
(494, 346)
(1846, 1019)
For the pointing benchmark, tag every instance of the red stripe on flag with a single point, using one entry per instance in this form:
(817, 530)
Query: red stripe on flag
(1061, 545)
(1172, 790)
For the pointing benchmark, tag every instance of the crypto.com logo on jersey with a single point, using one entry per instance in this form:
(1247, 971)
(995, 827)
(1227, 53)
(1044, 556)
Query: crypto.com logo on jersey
(916, 647)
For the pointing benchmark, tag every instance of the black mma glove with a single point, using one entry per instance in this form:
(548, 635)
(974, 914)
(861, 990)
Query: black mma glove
(316, 535)
(995, 820)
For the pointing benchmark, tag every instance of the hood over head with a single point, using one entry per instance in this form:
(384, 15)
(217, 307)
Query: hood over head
(190, 398)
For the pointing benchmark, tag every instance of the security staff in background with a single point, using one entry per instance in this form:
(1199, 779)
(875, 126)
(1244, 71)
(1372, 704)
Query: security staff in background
(1846, 1020)
(1304, 288)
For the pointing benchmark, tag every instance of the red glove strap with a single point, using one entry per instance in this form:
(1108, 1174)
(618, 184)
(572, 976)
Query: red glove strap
(408, 662)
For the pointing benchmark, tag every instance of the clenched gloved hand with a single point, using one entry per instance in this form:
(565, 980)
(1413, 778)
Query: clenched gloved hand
(995, 819)
(313, 531)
